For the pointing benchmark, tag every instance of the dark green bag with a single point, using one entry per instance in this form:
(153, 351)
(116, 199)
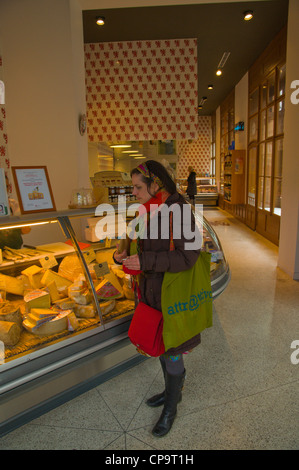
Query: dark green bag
(187, 302)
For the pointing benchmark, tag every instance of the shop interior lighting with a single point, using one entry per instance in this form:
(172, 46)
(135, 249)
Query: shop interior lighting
(130, 151)
(5, 227)
(100, 20)
(223, 60)
(120, 146)
(248, 15)
(210, 87)
(218, 72)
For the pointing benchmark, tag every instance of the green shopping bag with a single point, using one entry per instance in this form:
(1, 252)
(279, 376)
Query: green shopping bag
(187, 302)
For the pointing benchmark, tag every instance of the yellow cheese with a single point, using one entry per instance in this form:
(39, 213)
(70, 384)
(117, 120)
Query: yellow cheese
(82, 297)
(65, 304)
(52, 327)
(114, 281)
(32, 270)
(42, 312)
(9, 333)
(61, 282)
(85, 311)
(11, 284)
(73, 323)
(34, 274)
(37, 299)
(11, 312)
(53, 291)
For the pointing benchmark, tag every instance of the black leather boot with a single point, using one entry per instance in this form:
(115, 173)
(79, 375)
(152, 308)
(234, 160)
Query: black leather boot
(173, 391)
(158, 400)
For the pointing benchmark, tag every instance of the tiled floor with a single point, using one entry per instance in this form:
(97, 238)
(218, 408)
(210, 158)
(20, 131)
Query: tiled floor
(241, 390)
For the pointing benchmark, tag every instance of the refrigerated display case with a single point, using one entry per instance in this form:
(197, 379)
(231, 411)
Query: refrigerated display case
(65, 310)
(207, 192)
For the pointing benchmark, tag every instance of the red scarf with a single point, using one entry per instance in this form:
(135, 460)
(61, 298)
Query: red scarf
(150, 206)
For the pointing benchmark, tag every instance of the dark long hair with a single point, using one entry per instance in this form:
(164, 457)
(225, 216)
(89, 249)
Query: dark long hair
(159, 170)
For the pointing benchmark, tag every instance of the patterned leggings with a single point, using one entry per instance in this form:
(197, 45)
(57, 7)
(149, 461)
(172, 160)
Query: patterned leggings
(174, 364)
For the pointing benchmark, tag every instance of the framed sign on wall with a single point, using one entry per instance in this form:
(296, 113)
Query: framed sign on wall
(33, 189)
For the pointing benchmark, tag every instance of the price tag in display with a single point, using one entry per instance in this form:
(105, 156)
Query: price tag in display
(101, 269)
(48, 262)
(89, 256)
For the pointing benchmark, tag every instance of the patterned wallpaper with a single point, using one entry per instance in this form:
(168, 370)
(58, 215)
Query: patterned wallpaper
(196, 153)
(4, 159)
(141, 90)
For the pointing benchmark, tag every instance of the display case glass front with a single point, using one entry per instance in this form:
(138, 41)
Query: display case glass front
(56, 294)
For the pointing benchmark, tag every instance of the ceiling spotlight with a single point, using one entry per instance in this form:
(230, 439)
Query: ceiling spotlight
(200, 106)
(210, 87)
(219, 72)
(204, 98)
(248, 15)
(100, 20)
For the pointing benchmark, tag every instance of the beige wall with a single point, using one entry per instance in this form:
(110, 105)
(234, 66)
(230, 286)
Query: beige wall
(41, 47)
(289, 232)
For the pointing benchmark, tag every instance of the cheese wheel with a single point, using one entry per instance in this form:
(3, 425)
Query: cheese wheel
(52, 327)
(11, 313)
(9, 333)
(85, 311)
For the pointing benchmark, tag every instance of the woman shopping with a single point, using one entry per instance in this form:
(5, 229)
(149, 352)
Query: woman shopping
(155, 254)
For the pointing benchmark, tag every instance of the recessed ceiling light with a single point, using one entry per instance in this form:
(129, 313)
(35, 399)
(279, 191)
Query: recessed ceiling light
(219, 72)
(100, 20)
(210, 87)
(120, 146)
(248, 15)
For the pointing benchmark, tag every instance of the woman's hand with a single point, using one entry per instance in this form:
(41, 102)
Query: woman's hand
(132, 262)
(119, 257)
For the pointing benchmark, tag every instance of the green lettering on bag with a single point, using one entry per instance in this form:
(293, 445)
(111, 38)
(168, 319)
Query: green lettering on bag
(187, 302)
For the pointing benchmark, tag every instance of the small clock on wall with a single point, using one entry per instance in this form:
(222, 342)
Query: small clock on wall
(82, 124)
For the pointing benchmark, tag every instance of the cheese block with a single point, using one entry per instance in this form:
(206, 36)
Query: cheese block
(65, 304)
(11, 284)
(52, 327)
(107, 307)
(43, 312)
(114, 281)
(85, 311)
(9, 312)
(9, 333)
(105, 290)
(37, 299)
(105, 255)
(61, 282)
(32, 270)
(53, 291)
(73, 323)
(82, 296)
(34, 274)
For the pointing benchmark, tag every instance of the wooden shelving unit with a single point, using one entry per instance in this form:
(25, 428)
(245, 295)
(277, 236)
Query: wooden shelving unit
(234, 177)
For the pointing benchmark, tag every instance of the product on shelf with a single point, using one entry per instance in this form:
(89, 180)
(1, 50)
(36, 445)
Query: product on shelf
(9, 333)
(11, 313)
(56, 325)
(11, 284)
(62, 283)
(34, 274)
(37, 299)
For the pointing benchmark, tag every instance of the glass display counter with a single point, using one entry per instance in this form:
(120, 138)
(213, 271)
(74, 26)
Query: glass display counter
(65, 309)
